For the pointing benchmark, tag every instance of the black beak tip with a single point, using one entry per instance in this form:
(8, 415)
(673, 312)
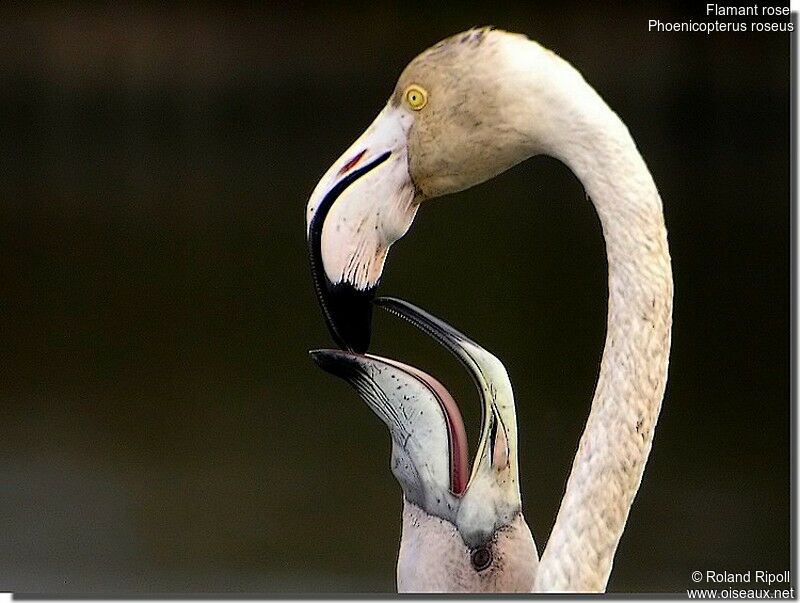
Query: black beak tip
(323, 358)
(339, 363)
(348, 314)
(317, 355)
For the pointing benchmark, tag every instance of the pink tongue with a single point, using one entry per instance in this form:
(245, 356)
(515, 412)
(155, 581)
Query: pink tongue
(459, 468)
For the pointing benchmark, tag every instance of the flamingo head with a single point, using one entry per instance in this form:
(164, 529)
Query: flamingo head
(459, 115)
(463, 529)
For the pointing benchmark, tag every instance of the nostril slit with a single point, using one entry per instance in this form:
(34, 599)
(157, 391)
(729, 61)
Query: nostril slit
(481, 558)
(352, 163)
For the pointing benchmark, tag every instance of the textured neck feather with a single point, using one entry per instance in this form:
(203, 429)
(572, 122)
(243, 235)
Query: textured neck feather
(577, 127)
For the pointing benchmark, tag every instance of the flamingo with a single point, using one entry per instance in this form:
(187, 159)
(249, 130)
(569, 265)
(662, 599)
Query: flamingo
(462, 112)
(463, 531)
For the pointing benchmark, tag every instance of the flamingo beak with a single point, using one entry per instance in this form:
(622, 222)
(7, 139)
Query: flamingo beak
(497, 445)
(363, 204)
(429, 442)
(347, 308)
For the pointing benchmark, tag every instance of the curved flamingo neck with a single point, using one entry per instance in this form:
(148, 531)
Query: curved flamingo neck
(584, 133)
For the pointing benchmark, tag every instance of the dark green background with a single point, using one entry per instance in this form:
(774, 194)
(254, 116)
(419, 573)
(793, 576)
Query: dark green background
(164, 429)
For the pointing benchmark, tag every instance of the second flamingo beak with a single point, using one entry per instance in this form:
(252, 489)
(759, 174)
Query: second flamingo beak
(429, 442)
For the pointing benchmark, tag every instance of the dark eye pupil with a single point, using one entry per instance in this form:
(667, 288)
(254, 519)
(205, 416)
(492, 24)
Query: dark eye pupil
(481, 558)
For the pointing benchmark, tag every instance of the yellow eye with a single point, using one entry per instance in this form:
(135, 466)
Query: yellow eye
(416, 97)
